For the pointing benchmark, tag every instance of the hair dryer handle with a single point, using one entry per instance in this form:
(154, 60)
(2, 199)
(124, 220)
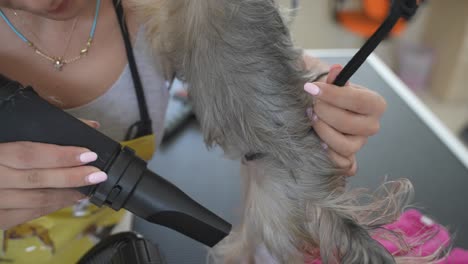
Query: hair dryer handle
(26, 117)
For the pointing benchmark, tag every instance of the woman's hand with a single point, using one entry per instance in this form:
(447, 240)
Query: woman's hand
(344, 117)
(35, 177)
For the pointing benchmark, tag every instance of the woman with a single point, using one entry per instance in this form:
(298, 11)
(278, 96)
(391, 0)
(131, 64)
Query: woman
(73, 54)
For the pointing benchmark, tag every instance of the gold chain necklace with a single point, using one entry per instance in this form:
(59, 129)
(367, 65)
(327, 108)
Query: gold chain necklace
(58, 61)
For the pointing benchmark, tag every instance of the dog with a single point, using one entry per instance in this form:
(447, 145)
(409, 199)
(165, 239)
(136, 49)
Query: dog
(246, 82)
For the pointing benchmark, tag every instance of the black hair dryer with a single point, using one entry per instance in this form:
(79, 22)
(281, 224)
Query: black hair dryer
(27, 117)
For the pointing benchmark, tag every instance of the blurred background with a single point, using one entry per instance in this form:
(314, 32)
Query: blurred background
(429, 52)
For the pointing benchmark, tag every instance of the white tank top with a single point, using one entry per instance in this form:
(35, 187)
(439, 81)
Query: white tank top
(117, 109)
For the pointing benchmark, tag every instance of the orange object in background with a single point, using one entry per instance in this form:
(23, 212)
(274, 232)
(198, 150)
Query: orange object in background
(365, 22)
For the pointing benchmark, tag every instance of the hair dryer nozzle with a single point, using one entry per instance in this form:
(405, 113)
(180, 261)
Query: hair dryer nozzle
(160, 202)
(155, 199)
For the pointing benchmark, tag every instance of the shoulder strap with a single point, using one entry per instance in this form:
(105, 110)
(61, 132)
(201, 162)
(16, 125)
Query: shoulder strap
(143, 126)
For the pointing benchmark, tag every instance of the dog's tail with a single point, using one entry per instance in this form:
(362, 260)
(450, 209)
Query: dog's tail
(342, 240)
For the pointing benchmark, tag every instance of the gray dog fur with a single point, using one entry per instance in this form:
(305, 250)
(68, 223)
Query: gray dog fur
(246, 85)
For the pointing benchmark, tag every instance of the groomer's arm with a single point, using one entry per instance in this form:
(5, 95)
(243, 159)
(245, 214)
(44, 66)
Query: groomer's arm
(343, 118)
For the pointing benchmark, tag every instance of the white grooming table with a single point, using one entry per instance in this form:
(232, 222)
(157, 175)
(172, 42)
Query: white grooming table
(412, 144)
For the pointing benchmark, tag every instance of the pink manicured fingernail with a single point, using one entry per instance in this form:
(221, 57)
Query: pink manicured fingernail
(324, 146)
(88, 157)
(310, 113)
(96, 177)
(314, 118)
(312, 89)
(95, 124)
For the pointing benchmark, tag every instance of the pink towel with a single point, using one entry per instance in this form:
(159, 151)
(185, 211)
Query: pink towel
(422, 236)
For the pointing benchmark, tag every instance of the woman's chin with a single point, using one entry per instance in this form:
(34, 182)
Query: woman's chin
(66, 10)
